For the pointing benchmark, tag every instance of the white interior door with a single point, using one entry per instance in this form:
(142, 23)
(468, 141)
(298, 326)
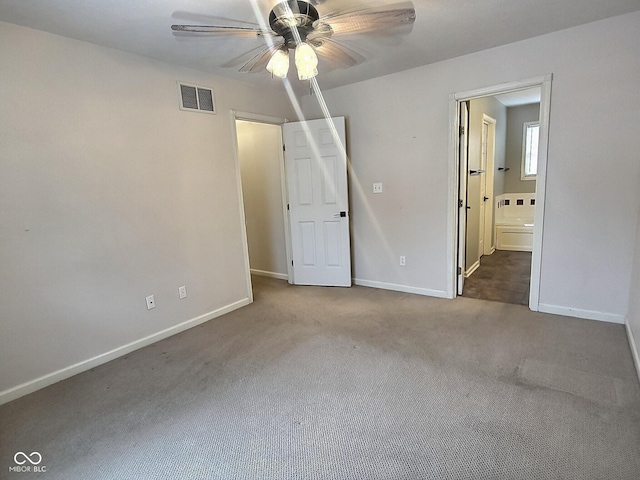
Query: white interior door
(462, 192)
(483, 187)
(316, 171)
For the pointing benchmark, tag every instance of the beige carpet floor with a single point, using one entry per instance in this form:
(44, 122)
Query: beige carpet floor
(331, 383)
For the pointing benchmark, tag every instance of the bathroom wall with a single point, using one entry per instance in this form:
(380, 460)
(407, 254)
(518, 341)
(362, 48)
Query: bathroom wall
(516, 117)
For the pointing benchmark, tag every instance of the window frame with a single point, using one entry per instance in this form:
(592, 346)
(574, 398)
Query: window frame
(523, 165)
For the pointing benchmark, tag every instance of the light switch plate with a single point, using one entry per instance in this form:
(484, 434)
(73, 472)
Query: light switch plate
(377, 187)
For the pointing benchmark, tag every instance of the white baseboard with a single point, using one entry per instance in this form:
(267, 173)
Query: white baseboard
(54, 377)
(401, 288)
(472, 269)
(264, 273)
(634, 348)
(579, 313)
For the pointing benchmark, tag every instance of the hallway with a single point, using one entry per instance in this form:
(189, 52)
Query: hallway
(503, 276)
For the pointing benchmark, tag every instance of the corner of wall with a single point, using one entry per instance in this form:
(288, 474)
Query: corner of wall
(632, 318)
(633, 345)
(31, 386)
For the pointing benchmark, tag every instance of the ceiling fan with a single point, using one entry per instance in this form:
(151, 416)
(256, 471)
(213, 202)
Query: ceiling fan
(297, 25)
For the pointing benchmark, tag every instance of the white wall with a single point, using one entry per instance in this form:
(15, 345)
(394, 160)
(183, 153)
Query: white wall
(110, 193)
(633, 314)
(260, 155)
(399, 135)
(516, 117)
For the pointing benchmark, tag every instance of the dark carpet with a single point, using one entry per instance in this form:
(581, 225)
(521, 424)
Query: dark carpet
(503, 276)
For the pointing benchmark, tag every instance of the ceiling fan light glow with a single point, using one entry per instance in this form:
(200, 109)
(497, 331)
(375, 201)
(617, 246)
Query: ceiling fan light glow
(279, 63)
(306, 61)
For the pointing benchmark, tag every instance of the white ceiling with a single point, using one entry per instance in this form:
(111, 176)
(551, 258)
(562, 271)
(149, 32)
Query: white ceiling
(443, 29)
(520, 97)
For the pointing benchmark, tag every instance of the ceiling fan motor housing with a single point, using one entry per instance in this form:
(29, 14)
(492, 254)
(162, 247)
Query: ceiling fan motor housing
(292, 15)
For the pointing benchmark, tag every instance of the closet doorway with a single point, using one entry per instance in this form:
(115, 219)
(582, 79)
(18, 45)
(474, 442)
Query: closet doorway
(295, 199)
(259, 157)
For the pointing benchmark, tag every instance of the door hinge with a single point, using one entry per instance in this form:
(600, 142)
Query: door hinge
(288, 207)
(460, 203)
(459, 270)
(461, 130)
(284, 147)
(292, 263)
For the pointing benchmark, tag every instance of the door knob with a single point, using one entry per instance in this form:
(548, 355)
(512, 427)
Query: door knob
(485, 198)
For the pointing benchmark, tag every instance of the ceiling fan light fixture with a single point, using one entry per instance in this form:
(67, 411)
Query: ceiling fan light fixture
(297, 25)
(306, 61)
(278, 66)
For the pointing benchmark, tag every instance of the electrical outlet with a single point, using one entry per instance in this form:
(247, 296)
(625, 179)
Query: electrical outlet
(151, 303)
(377, 188)
(403, 260)
(182, 292)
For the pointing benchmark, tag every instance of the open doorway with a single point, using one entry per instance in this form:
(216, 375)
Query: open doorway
(294, 199)
(485, 205)
(501, 196)
(260, 164)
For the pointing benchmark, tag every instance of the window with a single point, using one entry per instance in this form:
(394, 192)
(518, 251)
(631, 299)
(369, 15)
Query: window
(530, 150)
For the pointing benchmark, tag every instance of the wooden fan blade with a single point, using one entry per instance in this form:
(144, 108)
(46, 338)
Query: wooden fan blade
(368, 19)
(187, 17)
(259, 62)
(320, 30)
(336, 54)
(222, 29)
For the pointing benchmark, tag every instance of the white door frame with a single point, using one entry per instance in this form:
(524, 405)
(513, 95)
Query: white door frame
(487, 224)
(544, 82)
(461, 221)
(259, 118)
